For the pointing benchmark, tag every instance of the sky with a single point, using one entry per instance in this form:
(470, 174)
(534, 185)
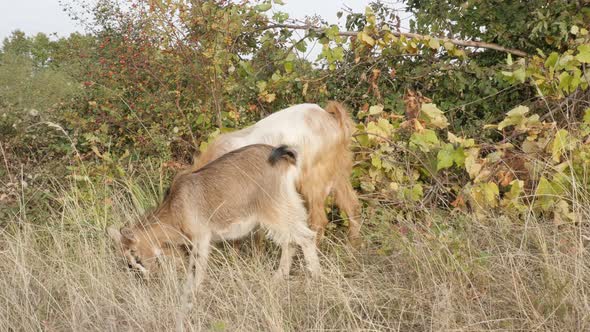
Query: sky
(49, 17)
(33, 16)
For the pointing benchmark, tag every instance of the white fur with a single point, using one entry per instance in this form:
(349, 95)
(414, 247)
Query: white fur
(320, 136)
(285, 127)
(235, 230)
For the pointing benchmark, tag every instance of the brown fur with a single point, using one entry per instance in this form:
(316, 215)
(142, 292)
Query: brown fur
(249, 187)
(326, 165)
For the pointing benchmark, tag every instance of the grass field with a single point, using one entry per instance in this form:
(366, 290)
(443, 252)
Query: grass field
(471, 143)
(419, 273)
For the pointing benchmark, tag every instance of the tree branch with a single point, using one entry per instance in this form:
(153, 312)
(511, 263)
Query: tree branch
(469, 43)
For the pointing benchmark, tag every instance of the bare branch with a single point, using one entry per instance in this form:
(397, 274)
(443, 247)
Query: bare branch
(468, 43)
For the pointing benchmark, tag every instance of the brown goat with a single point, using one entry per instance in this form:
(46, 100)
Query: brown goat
(226, 199)
(322, 138)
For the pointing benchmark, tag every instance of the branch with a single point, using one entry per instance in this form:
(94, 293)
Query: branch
(469, 43)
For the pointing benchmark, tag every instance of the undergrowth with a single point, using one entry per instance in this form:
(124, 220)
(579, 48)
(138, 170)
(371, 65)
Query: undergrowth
(415, 272)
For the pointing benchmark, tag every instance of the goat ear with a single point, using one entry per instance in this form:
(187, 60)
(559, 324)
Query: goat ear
(115, 234)
(128, 234)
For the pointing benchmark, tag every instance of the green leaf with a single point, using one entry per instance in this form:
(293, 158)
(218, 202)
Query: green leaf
(459, 157)
(576, 79)
(200, 118)
(385, 125)
(520, 75)
(459, 53)
(203, 146)
(448, 155)
(434, 43)
(491, 192)
(552, 60)
(448, 45)
(434, 116)
(516, 188)
(376, 162)
(363, 139)
(381, 128)
(414, 194)
(507, 73)
(561, 143)
(424, 140)
(263, 7)
(301, 46)
(516, 117)
(444, 157)
(331, 32)
(218, 326)
(584, 53)
(564, 81)
(375, 109)
(280, 17)
(511, 199)
(261, 85)
(547, 193)
(587, 116)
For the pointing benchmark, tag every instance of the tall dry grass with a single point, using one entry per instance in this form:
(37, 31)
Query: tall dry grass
(432, 273)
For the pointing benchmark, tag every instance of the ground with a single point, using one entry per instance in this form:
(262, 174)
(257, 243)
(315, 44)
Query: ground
(415, 272)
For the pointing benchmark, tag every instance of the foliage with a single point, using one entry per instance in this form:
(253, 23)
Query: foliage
(472, 165)
(33, 90)
(438, 125)
(523, 24)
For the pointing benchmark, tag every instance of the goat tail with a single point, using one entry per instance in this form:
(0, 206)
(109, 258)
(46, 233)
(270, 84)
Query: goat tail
(339, 112)
(283, 152)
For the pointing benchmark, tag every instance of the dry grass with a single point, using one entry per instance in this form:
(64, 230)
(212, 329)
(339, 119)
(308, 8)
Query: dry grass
(466, 275)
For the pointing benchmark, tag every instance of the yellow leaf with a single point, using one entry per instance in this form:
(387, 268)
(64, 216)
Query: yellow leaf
(434, 43)
(375, 109)
(574, 30)
(435, 116)
(561, 143)
(472, 166)
(562, 213)
(464, 142)
(485, 194)
(365, 38)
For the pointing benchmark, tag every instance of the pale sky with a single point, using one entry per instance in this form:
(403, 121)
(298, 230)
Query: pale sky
(33, 16)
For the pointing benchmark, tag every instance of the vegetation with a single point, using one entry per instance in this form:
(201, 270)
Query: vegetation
(471, 162)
